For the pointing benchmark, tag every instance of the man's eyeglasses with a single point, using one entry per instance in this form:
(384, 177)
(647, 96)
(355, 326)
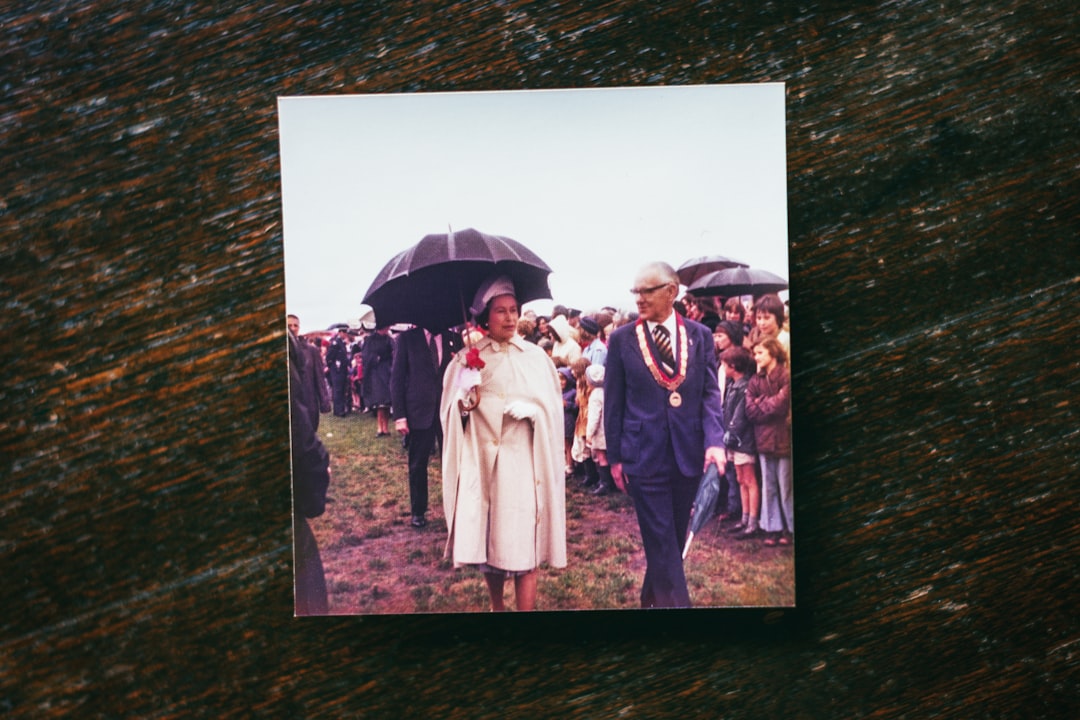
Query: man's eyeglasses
(647, 291)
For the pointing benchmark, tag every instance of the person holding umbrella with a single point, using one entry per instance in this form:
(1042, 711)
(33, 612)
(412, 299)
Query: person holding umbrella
(420, 360)
(503, 465)
(662, 421)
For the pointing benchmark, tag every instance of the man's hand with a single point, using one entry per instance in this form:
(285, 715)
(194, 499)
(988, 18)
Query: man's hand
(402, 426)
(715, 455)
(618, 477)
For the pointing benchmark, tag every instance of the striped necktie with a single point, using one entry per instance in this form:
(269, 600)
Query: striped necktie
(663, 344)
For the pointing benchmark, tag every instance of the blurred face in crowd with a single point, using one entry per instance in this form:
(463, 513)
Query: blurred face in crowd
(692, 310)
(766, 323)
(655, 294)
(764, 360)
(293, 324)
(503, 318)
(733, 315)
(721, 341)
(730, 371)
(542, 326)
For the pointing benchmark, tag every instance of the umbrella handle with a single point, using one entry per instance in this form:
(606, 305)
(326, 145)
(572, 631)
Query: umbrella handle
(689, 539)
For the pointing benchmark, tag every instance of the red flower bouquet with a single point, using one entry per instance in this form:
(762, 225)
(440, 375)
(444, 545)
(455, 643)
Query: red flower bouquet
(472, 359)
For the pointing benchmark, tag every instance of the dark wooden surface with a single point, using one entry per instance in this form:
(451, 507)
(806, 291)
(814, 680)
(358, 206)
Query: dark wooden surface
(933, 160)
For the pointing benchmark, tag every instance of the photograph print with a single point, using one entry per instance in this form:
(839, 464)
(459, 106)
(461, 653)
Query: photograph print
(539, 350)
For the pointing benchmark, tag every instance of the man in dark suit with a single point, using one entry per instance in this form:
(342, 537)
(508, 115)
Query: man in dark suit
(337, 362)
(420, 361)
(662, 418)
(315, 369)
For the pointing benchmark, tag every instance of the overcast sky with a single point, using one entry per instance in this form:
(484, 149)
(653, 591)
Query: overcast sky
(596, 182)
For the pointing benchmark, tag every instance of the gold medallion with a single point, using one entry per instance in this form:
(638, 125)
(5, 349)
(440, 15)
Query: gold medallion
(675, 399)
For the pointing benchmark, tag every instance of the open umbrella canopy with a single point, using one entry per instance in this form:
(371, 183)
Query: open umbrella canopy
(696, 268)
(732, 282)
(432, 283)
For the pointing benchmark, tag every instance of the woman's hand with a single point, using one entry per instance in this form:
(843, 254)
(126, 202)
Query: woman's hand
(522, 410)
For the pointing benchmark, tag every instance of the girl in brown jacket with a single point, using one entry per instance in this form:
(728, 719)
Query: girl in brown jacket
(768, 405)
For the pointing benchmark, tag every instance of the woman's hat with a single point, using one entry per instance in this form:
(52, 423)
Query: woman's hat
(589, 325)
(494, 286)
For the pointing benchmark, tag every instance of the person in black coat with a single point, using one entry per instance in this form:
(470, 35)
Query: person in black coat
(420, 360)
(377, 358)
(737, 364)
(311, 479)
(337, 365)
(314, 369)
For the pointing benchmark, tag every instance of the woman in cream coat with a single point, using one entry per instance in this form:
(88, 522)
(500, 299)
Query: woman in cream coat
(503, 464)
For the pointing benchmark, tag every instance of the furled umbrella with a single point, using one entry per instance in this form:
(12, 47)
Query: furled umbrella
(704, 503)
(732, 282)
(699, 267)
(432, 283)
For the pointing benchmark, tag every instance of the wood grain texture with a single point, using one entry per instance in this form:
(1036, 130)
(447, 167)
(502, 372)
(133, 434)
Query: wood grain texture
(935, 273)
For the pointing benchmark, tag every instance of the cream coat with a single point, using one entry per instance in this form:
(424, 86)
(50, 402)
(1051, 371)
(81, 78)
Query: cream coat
(503, 479)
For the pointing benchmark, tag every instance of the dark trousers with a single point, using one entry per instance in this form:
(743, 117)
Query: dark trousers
(663, 511)
(339, 384)
(421, 443)
(310, 580)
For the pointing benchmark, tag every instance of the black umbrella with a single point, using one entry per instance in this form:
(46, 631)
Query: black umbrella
(738, 281)
(432, 283)
(699, 267)
(704, 503)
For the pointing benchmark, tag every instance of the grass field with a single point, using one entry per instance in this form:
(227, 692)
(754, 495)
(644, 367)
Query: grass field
(376, 562)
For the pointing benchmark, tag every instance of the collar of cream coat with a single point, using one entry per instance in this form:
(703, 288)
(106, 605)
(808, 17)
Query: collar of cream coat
(487, 342)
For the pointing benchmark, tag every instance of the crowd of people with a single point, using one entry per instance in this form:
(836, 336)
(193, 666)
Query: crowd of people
(636, 402)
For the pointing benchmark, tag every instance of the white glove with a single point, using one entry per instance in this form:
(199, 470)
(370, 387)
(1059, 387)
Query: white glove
(522, 410)
(467, 379)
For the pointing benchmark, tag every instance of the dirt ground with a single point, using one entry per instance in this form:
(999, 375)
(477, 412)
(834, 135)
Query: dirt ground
(376, 562)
